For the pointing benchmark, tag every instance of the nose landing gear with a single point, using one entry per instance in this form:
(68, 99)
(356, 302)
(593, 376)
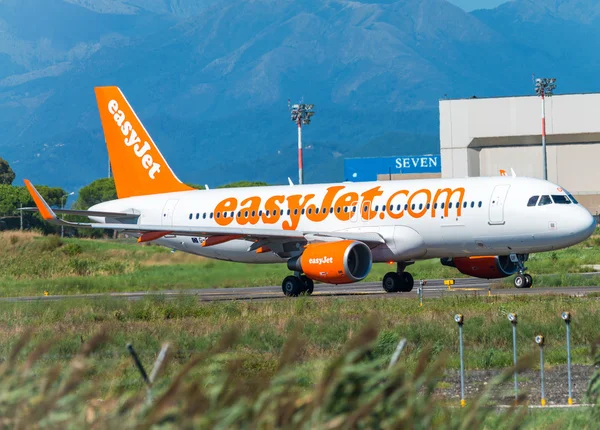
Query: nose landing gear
(522, 280)
(399, 281)
(296, 284)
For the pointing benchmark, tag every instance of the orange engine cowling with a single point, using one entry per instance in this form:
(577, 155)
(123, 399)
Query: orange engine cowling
(487, 267)
(339, 262)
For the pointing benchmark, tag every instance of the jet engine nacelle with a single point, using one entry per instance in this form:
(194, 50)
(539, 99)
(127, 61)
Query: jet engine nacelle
(339, 262)
(487, 267)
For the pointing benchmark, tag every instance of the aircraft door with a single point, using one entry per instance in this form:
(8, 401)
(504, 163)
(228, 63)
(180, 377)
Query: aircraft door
(497, 201)
(168, 210)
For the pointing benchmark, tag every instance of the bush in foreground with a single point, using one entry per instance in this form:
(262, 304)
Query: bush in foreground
(355, 390)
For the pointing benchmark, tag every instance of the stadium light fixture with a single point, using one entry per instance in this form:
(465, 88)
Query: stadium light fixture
(301, 114)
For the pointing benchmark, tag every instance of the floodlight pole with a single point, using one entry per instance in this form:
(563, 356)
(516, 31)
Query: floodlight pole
(545, 161)
(300, 114)
(300, 169)
(544, 87)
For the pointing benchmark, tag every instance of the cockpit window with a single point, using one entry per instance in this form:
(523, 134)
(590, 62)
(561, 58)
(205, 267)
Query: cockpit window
(561, 199)
(545, 200)
(533, 201)
(573, 199)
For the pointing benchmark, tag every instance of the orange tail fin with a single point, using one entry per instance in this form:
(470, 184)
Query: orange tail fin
(138, 166)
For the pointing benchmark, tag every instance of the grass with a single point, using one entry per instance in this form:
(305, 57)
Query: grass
(31, 264)
(306, 363)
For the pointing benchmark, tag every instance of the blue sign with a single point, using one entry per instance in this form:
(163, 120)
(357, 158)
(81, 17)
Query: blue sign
(367, 169)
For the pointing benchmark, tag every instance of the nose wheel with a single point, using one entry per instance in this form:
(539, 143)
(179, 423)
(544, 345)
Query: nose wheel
(523, 280)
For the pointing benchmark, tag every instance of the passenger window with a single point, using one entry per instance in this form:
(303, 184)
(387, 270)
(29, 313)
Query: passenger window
(435, 205)
(218, 214)
(464, 205)
(442, 205)
(295, 211)
(288, 212)
(398, 208)
(450, 205)
(561, 199)
(383, 208)
(211, 215)
(479, 205)
(376, 208)
(246, 214)
(204, 215)
(253, 214)
(309, 211)
(281, 212)
(346, 209)
(338, 209)
(420, 206)
(239, 214)
(533, 201)
(406, 207)
(412, 206)
(545, 200)
(428, 205)
(331, 210)
(225, 214)
(190, 216)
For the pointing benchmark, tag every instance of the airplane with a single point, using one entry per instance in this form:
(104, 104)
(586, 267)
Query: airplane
(485, 227)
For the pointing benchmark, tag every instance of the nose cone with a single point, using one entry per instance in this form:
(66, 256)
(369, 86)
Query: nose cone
(582, 224)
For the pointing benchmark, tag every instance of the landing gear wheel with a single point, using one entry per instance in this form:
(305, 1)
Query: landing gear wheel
(520, 281)
(292, 286)
(529, 280)
(408, 283)
(392, 282)
(308, 283)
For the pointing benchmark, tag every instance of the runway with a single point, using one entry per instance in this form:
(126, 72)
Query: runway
(433, 289)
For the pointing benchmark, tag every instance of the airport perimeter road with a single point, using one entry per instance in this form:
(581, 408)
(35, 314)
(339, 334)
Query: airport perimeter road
(433, 289)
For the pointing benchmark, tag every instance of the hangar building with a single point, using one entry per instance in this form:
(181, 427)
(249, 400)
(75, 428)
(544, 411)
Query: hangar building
(480, 137)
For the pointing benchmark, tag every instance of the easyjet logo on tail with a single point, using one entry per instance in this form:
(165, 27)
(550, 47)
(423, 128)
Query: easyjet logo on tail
(132, 139)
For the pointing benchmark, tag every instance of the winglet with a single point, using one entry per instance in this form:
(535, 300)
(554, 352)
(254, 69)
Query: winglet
(41, 204)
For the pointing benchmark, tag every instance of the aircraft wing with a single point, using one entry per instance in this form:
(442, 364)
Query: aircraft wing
(87, 213)
(157, 231)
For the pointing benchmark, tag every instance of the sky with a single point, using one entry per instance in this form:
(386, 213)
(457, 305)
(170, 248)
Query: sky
(470, 5)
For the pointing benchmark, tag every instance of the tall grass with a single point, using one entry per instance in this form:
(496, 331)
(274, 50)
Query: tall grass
(210, 390)
(32, 263)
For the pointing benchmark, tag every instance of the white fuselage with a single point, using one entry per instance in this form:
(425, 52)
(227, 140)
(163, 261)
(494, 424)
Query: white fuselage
(416, 218)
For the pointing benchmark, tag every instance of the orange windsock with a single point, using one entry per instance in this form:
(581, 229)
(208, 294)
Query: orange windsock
(138, 166)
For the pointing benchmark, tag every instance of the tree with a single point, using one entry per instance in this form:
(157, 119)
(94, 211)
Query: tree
(7, 176)
(100, 190)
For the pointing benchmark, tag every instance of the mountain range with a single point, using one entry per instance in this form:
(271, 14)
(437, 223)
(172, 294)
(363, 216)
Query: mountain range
(211, 79)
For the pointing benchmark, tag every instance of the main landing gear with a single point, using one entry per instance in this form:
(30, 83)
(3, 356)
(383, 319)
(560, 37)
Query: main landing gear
(398, 281)
(522, 280)
(296, 284)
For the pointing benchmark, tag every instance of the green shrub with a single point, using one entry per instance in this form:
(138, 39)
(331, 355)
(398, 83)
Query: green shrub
(82, 266)
(50, 243)
(114, 267)
(72, 249)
